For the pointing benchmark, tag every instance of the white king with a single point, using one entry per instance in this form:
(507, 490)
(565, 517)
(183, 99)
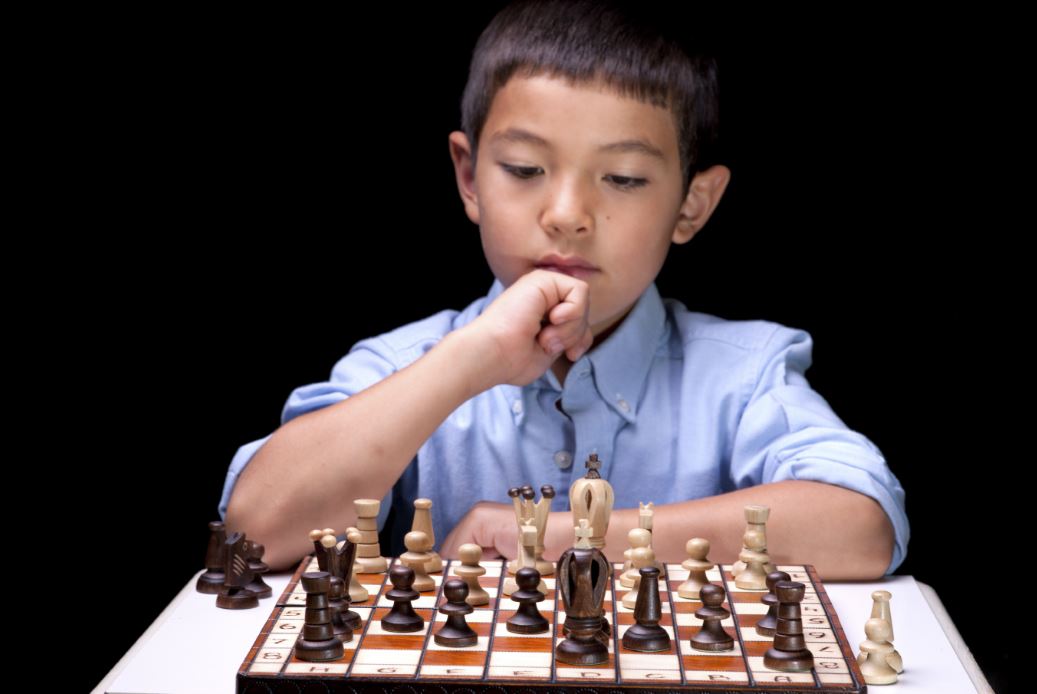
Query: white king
(591, 499)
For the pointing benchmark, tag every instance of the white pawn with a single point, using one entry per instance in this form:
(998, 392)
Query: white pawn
(875, 651)
(640, 558)
(417, 558)
(754, 575)
(880, 609)
(637, 537)
(357, 592)
(470, 571)
(697, 566)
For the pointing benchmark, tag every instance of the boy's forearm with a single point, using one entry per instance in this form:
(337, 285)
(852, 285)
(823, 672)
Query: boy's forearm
(844, 534)
(310, 470)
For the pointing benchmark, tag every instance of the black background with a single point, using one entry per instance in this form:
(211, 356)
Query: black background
(281, 194)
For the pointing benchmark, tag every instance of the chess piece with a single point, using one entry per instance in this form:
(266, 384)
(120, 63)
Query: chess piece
(235, 594)
(637, 538)
(316, 537)
(583, 535)
(789, 652)
(423, 522)
(583, 575)
(456, 633)
(711, 635)
(697, 565)
(338, 560)
(369, 559)
(211, 582)
(880, 610)
(756, 519)
(646, 635)
(470, 571)
(591, 498)
(254, 554)
(527, 557)
(318, 640)
(876, 652)
(527, 619)
(357, 592)
(528, 513)
(768, 624)
(417, 557)
(753, 556)
(402, 617)
(640, 558)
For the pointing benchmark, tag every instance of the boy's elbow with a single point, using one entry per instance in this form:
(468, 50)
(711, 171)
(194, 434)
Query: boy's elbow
(879, 543)
(279, 553)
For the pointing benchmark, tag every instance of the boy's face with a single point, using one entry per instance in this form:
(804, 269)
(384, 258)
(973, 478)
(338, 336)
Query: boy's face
(617, 209)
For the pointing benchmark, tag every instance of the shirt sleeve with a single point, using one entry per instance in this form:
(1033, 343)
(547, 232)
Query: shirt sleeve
(787, 431)
(368, 362)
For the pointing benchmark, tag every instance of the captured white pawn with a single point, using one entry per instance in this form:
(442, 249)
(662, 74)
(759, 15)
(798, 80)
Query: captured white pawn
(697, 565)
(470, 571)
(880, 609)
(875, 651)
(637, 537)
(417, 557)
(357, 592)
(640, 558)
(754, 575)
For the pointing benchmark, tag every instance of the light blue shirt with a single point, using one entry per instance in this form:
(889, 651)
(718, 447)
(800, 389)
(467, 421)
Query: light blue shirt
(677, 404)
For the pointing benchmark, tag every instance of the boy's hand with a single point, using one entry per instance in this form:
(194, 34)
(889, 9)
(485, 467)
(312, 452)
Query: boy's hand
(530, 324)
(491, 526)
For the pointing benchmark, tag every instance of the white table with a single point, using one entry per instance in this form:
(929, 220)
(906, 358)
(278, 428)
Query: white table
(194, 647)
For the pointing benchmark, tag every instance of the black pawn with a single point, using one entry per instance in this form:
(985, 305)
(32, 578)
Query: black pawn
(527, 618)
(211, 581)
(769, 622)
(456, 633)
(318, 641)
(711, 636)
(258, 567)
(647, 636)
(789, 653)
(402, 617)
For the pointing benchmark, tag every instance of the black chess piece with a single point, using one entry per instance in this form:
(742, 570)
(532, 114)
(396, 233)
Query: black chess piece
(769, 622)
(456, 633)
(235, 594)
(583, 575)
(527, 618)
(254, 552)
(402, 617)
(343, 619)
(318, 640)
(646, 635)
(211, 582)
(789, 652)
(711, 636)
(338, 561)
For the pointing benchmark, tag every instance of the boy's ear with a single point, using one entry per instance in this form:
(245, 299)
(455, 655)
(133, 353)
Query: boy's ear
(704, 193)
(464, 171)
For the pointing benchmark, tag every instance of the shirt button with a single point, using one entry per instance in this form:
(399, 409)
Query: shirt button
(563, 459)
(624, 405)
(516, 407)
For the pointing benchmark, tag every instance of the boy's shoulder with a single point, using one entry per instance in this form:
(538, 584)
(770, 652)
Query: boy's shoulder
(751, 335)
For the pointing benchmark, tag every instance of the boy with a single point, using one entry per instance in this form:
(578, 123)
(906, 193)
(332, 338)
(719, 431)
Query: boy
(580, 169)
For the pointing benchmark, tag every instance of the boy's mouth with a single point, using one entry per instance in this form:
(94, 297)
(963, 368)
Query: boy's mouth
(574, 266)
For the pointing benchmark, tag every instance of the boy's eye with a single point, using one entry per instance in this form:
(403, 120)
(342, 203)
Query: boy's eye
(527, 172)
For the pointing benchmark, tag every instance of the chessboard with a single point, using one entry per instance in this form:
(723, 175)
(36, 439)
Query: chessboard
(376, 660)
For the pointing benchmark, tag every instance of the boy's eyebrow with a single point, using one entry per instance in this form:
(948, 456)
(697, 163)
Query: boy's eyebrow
(525, 136)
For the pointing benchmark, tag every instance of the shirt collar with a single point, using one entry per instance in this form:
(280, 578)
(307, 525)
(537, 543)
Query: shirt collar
(620, 364)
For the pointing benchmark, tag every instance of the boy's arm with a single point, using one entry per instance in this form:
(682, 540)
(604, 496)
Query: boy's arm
(844, 534)
(308, 472)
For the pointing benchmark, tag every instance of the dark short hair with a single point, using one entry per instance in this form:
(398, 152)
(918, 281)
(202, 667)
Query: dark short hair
(631, 50)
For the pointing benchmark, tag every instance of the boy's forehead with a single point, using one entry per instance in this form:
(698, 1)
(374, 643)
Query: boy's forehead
(532, 109)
